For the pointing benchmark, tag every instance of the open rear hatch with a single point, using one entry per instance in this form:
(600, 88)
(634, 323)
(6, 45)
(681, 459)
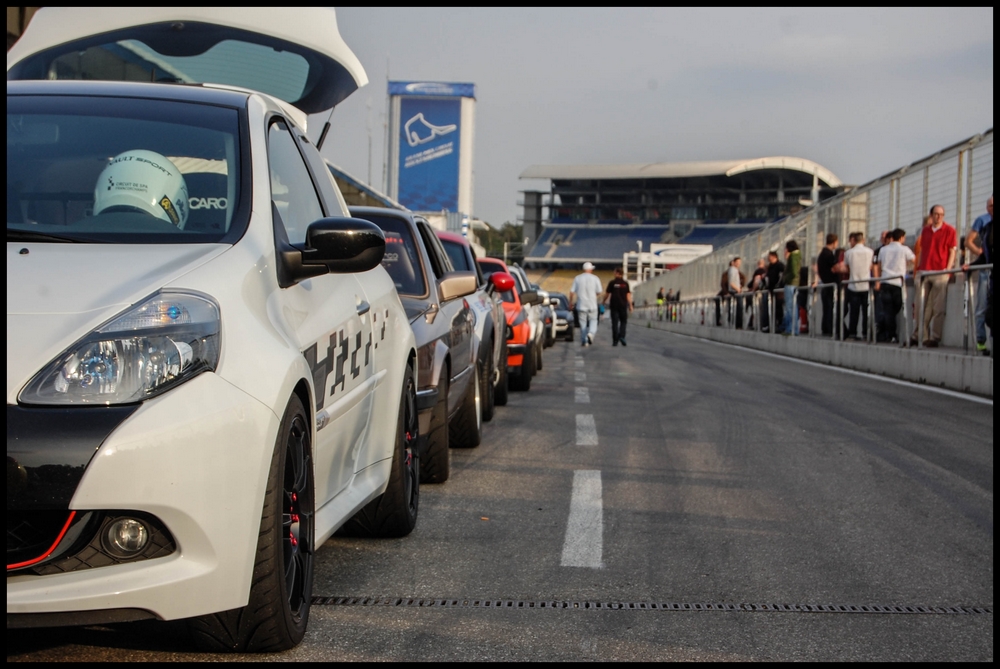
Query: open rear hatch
(294, 54)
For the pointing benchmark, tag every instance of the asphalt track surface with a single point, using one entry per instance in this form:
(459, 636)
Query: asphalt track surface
(674, 499)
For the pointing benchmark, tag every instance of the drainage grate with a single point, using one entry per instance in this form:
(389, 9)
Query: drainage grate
(413, 602)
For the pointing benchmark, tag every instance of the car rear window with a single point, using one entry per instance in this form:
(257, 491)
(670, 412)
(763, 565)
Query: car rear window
(401, 259)
(123, 170)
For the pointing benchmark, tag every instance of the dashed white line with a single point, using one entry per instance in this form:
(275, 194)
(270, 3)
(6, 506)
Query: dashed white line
(584, 544)
(583, 395)
(586, 430)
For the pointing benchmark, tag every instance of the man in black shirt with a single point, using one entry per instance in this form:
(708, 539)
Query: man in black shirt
(824, 269)
(621, 304)
(773, 285)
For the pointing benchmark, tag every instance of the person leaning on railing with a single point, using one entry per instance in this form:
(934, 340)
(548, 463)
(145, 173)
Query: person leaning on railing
(974, 242)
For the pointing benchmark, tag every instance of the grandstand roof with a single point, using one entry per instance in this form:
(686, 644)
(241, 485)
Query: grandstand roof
(699, 168)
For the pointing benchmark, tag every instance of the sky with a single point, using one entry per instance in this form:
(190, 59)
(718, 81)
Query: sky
(860, 91)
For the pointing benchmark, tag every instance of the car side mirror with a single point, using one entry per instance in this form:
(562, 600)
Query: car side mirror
(337, 245)
(458, 284)
(554, 301)
(502, 282)
(530, 297)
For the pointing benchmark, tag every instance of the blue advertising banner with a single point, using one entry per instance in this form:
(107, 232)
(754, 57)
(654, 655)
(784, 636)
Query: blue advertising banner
(428, 153)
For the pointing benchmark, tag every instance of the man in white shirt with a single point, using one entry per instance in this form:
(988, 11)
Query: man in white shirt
(735, 288)
(894, 259)
(584, 295)
(858, 259)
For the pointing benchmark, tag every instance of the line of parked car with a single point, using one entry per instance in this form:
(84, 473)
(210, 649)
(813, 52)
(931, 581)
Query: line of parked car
(213, 364)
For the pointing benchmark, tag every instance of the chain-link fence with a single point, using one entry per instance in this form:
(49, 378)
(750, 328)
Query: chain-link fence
(960, 178)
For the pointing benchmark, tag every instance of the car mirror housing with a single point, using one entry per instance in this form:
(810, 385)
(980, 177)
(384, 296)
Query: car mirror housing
(554, 301)
(530, 297)
(458, 284)
(502, 282)
(337, 245)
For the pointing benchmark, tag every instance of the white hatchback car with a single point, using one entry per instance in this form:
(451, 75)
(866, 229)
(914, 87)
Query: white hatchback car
(208, 370)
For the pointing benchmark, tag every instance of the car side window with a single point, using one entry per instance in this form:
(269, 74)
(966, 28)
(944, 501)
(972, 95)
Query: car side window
(439, 259)
(292, 191)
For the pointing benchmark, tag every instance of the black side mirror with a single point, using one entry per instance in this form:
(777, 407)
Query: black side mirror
(333, 245)
(530, 297)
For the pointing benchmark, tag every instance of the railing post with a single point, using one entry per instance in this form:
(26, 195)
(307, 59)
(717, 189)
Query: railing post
(918, 276)
(905, 339)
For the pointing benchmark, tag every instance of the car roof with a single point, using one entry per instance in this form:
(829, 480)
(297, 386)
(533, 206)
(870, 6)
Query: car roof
(451, 237)
(186, 34)
(381, 211)
(494, 261)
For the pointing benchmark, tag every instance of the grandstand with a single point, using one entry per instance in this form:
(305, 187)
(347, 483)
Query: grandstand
(600, 212)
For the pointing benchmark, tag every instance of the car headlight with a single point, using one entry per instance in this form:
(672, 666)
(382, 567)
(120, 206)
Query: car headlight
(145, 351)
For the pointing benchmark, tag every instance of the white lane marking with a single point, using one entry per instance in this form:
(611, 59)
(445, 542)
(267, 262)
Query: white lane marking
(584, 544)
(580, 377)
(843, 370)
(579, 363)
(586, 430)
(583, 396)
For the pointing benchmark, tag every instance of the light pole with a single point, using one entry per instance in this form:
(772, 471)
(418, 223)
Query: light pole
(638, 261)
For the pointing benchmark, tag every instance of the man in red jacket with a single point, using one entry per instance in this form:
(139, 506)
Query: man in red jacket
(938, 248)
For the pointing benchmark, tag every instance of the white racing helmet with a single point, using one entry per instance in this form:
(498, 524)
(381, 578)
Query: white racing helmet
(145, 181)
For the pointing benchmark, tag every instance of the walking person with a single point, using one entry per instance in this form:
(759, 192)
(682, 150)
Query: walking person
(894, 259)
(618, 296)
(584, 296)
(825, 274)
(793, 265)
(938, 249)
(975, 242)
(858, 260)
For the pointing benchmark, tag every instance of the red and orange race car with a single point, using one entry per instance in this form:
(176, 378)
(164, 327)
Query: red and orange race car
(521, 355)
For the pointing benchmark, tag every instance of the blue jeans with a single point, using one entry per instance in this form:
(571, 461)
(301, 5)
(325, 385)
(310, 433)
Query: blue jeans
(588, 323)
(791, 311)
(981, 289)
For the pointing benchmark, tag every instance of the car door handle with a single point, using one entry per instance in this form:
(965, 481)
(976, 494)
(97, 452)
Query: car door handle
(363, 307)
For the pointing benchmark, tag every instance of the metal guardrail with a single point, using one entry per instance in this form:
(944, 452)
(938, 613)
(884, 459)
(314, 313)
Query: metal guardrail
(745, 310)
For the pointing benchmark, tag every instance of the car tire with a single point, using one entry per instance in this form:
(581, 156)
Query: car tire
(522, 381)
(466, 429)
(538, 358)
(569, 333)
(393, 514)
(435, 463)
(500, 392)
(488, 390)
(277, 612)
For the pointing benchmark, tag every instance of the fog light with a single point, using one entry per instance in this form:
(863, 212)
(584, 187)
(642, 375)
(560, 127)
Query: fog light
(126, 537)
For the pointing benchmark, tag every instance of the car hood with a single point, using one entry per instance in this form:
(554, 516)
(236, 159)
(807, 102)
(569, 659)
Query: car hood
(57, 293)
(295, 54)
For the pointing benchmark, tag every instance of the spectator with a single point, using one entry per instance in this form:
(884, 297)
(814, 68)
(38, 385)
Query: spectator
(584, 296)
(825, 274)
(974, 243)
(916, 296)
(858, 260)
(620, 302)
(881, 327)
(660, 299)
(773, 284)
(793, 265)
(938, 248)
(757, 282)
(894, 259)
(736, 280)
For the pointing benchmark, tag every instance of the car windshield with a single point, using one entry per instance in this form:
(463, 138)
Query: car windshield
(90, 169)
(401, 259)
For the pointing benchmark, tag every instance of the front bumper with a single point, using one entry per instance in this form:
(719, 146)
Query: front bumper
(196, 459)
